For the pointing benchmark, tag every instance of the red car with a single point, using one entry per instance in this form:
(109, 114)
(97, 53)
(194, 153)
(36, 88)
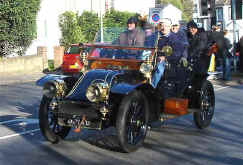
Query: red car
(71, 60)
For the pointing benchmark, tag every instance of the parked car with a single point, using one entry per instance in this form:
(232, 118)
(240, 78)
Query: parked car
(71, 60)
(114, 89)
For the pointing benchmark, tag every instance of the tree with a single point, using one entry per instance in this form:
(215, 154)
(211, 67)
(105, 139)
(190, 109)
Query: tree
(76, 29)
(70, 29)
(17, 25)
(187, 9)
(89, 24)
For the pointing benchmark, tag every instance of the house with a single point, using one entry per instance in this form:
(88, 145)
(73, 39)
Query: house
(223, 18)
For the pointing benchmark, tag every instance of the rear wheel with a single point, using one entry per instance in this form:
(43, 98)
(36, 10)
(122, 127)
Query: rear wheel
(48, 121)
(132, 121)
(204, 117)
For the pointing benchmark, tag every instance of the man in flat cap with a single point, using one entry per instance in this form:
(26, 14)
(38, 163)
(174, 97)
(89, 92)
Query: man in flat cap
(132, 36)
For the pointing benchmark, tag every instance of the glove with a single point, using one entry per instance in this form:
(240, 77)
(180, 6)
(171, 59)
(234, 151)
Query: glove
(184, 61)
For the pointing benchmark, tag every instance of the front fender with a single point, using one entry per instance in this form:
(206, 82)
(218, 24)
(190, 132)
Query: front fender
(49, 78)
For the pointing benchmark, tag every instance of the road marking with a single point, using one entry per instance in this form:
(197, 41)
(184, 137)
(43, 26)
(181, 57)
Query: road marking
(24, 121)
(218, 89)
(18, 134)
(21, 122)
(217, 85)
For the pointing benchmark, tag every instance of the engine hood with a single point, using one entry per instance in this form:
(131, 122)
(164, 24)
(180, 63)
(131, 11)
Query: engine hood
(119, 81)
(79, 89)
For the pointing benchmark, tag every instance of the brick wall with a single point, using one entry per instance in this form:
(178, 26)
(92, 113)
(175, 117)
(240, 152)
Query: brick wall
(58, 55)
(28, 64)
(22, 64)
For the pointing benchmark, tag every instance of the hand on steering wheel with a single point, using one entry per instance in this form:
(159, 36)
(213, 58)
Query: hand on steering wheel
(184, 61)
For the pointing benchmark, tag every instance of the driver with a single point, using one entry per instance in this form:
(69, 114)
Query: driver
(132, 36)
(167, 38)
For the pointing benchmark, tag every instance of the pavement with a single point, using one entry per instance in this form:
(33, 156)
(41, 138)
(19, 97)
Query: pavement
(5, 79)
(236, 79)
(10, 78)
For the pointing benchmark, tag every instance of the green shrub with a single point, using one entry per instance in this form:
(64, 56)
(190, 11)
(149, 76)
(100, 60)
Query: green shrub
(51, 65)
(17, 25)
(89, 24)
(71, 31)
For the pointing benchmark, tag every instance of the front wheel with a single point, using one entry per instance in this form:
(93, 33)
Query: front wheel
(204, 117)
(132, 121)
(48, 121)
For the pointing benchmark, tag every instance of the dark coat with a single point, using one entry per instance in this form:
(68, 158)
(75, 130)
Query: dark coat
(178, 46)
(198, 51)
(132, 38)
(227, 47)
(241, 53)
(220, 40)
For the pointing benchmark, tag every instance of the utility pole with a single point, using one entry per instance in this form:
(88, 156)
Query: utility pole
(91, 5)
(101, 23)
(233, 8)
(212, 12)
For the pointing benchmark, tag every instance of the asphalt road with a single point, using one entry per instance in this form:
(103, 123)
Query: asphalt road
(173, 142)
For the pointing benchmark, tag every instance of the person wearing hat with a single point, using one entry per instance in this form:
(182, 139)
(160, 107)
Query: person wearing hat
(198, 48)
(175, 26)
(167, 38)
(181, 32)
(132, 36)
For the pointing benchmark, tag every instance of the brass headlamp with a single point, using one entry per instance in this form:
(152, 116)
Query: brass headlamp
(97, 92)
(146, 68)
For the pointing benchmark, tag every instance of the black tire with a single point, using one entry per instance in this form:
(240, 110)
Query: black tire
(48, 122)
(132, 121)
(204, 117)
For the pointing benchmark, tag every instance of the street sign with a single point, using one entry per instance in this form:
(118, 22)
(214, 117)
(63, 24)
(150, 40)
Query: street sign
(155, 17)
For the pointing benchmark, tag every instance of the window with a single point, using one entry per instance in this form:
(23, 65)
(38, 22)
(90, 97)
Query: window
(195, 8)
(229, 13)
(73, 50)
(219, 14)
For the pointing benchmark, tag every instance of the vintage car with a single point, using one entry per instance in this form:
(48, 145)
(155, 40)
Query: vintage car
(114, 89)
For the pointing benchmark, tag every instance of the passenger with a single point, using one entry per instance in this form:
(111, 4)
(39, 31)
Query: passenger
(166, 37)
(198, 48)
(177, 29)
(132, 36)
